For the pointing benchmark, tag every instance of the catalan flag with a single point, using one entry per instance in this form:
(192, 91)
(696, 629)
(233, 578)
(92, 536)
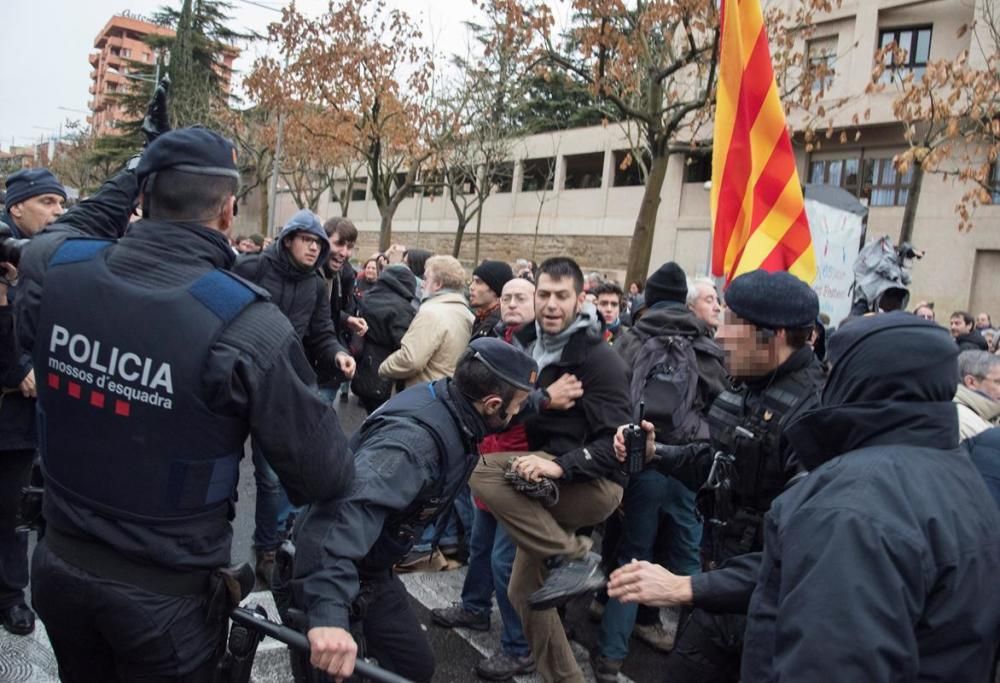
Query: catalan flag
(758, 214)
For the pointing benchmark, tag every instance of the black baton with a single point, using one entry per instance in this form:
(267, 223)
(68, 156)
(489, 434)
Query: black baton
(293, 638)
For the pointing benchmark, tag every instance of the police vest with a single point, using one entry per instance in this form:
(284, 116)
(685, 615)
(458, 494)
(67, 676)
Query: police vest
(748, 426)
(124, 428)
(431, 408)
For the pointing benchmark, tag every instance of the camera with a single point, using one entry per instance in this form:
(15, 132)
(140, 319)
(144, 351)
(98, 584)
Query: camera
(10, 246)
(635, 449)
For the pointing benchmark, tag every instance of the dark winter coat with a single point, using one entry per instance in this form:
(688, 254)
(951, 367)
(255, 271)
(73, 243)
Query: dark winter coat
(882, 563)
(581, 438)
(300, 294)
(387, 310)
(973, 341)
(984, 450)
(679, 320)
(485, 326)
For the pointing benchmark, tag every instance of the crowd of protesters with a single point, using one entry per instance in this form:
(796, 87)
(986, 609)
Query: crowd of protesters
(753, 491)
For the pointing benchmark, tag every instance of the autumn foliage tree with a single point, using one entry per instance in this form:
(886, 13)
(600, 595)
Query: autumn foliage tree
(361, 64)
(950, 114)
(655, 62)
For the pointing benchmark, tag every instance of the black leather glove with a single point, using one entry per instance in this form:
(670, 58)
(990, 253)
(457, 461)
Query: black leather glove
(157, 120)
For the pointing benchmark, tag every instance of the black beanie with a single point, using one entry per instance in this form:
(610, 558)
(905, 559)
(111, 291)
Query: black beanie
(495, 274)
(668, 283)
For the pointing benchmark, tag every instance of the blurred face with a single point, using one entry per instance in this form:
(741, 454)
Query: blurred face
(749, 353)
(925, 313)
(982, 321)
(610, 307)
(958, 326)
(557, 303)
(340, 251)
(633, 289)
(706, 306)
(371, 271)
(303, 248)
(988, 385)
(517, 304)
(247, 247)
(480, 294)
(35, 213)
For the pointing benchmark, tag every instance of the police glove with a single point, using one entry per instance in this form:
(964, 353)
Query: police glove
(157, 121)
(666, 458)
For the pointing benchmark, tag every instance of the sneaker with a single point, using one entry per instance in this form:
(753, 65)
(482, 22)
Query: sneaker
(568, 580)
(18, 619)
(595, 611)
(263, 568)
(501, 667)
(657, 636)
(605, 669)
(458, 616)
(422, 562)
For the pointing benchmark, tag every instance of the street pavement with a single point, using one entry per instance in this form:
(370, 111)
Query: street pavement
(457, 651)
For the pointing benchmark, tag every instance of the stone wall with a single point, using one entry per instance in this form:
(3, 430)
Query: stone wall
(608, 255)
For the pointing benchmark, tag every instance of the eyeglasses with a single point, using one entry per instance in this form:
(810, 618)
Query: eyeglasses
(307, 238)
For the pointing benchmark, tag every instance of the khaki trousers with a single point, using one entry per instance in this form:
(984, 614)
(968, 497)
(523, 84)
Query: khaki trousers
(541, 533)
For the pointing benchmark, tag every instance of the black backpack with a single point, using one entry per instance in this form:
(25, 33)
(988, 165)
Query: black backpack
(665, 379)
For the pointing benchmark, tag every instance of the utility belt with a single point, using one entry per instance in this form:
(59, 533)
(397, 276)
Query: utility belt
(100, 560)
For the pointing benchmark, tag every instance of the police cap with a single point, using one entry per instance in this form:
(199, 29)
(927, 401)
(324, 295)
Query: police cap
(509, 364)
(191, 150)
(773, 300)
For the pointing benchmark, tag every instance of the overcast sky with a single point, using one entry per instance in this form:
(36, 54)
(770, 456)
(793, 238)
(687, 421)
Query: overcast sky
(45, 45)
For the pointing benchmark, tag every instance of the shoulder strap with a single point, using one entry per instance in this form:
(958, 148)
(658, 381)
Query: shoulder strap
(78, 249)
(223, 294)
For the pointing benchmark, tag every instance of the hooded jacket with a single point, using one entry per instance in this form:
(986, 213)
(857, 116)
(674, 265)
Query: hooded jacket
(972, 341)
(436, 338)
(677, 319)
(581, 438)
(299, 293)
(881, 564)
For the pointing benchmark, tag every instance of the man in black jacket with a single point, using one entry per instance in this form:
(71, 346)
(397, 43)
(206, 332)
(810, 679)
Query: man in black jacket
(573, 450)
(34, 199)
(290, 271)
(746, 464)
(146, 408)
(413, 456)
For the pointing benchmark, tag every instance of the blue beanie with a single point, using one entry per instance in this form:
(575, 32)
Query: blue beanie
(32, 182)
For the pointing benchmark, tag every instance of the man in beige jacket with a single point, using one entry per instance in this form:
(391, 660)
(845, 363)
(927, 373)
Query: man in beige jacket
(978, 395)
(440, 331)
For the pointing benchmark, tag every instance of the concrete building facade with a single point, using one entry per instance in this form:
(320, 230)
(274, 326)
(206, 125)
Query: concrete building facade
(570, 191)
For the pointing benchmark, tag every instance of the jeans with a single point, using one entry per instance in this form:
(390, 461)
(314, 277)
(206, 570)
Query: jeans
(461, 512)
(15, 471)
(491, 556)
(647, 495)
(273, 506)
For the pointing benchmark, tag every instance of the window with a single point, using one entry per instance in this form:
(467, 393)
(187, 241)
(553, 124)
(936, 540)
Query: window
(359, 190)
(584, 171)
(822, 54)
(627, 168)
(994, 182)
(432, 183)
(126, 52)
(502, 178)
(697, 168)
(538, 174)
(886, 186)
(871, 178)
(916, 42)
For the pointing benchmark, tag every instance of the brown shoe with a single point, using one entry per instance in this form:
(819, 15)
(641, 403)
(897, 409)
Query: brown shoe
(263, 568)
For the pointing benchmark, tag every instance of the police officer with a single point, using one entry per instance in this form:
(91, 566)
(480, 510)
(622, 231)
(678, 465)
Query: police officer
(744, 467)
(155, 364)
(34, 199)
(413, 457)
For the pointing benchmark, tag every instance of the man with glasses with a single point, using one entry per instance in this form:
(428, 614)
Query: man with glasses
(978, 395)
(290, 271)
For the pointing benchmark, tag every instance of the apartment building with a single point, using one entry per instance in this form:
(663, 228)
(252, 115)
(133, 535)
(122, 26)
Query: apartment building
(573, 192)
(118, 44)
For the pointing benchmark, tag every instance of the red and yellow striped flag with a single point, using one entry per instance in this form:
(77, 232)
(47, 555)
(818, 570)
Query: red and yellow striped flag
(758, 214)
